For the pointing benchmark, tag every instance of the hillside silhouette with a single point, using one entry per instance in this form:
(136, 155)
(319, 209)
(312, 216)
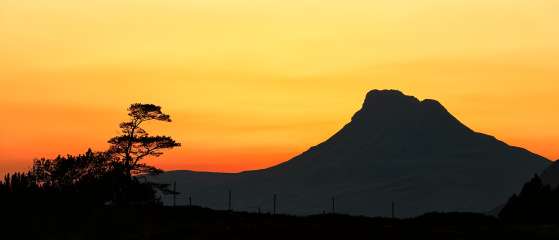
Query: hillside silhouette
(396, 150)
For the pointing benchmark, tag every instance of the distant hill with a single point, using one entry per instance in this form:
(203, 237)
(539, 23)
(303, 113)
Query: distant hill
(395, 149)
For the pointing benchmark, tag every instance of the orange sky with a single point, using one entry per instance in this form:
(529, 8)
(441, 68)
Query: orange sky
(253, 83)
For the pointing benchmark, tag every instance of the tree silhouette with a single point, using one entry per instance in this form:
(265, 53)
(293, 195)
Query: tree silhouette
(97, 178)
(70, 170)
(536, 203)
(135, 144)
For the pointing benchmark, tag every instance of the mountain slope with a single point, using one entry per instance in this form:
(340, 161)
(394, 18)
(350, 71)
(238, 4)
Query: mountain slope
(395, 149)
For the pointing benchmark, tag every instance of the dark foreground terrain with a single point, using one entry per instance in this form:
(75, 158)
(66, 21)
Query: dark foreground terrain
(200, 223)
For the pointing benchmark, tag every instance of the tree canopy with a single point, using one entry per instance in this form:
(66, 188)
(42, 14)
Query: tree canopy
(136, 144)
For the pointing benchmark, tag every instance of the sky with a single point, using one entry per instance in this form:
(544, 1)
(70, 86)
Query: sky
(250, 84)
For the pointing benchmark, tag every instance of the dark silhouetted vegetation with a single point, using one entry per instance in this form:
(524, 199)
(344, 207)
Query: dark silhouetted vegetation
(537, 203)
(113, 177)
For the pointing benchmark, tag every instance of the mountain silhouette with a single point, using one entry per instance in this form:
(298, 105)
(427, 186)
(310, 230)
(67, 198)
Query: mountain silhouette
(396, 149)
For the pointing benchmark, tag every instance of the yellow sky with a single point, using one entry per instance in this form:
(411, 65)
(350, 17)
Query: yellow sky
(252, 83)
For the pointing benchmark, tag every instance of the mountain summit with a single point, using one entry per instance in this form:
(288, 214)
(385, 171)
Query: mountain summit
(383, 108)
(395, 149)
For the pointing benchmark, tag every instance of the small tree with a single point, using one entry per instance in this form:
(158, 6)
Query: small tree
(135, 144)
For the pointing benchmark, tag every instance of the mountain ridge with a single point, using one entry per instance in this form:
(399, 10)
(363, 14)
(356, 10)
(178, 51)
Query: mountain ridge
(395, 148)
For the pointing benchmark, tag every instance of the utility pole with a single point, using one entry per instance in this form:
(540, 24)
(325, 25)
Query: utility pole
(333, 205)
(175, 194)
(275, 204)
(230, 208)
(393, 210)
(190, 201)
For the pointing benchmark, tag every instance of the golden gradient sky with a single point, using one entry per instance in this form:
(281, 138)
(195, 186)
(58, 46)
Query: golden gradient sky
(251, 83)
